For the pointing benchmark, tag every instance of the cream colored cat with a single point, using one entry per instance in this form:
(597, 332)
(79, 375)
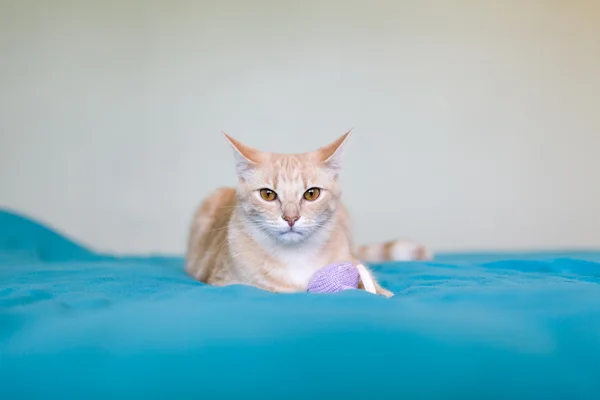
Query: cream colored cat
(284, 221)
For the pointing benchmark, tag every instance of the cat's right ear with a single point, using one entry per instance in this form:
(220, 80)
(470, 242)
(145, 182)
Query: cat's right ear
(331, 155)
(246, 157)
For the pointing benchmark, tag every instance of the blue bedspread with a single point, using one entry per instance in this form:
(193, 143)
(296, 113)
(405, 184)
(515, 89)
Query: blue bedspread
(75, 325)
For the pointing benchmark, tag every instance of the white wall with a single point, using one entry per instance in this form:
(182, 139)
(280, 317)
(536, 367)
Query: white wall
(477, 123)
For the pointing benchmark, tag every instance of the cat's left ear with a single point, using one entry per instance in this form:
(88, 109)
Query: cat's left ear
(331, 155)
(246, 157)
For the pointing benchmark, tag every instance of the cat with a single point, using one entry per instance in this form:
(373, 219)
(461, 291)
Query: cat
(282, 222)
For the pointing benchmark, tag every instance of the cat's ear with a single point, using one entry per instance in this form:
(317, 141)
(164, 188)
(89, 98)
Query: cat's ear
(246, 157)
(331, 155)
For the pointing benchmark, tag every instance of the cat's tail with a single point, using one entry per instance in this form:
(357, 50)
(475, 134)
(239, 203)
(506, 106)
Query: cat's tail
(393, 250)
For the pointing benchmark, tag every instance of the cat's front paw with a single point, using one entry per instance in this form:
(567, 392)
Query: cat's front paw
(384, 292)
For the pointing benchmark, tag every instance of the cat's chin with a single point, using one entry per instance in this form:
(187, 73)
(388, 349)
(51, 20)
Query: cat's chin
(290, 237)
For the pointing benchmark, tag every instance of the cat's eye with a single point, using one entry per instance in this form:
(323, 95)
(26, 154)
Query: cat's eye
(312, 194)
(268, 194)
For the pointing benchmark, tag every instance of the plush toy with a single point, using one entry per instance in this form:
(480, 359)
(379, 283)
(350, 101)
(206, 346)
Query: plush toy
(336, 277)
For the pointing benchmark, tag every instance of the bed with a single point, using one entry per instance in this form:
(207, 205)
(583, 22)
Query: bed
(78, 324)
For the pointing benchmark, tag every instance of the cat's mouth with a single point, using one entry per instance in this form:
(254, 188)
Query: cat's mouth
(290, 235)
(291, 231)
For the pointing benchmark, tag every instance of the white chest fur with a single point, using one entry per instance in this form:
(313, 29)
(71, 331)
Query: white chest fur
(299, 265)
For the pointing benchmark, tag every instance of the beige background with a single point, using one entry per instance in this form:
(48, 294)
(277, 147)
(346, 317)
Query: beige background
(477, 123)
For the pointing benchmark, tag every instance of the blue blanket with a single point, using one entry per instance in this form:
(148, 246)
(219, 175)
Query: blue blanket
(75, 324)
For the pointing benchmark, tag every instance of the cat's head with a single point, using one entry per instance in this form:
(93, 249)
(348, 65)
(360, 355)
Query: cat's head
(288, 197)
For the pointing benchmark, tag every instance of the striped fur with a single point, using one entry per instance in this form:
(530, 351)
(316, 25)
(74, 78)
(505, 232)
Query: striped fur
(238, 237)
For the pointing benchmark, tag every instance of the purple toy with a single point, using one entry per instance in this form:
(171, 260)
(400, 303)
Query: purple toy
(336, 277)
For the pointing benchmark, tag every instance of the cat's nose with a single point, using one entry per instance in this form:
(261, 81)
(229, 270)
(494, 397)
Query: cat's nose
(291, 219)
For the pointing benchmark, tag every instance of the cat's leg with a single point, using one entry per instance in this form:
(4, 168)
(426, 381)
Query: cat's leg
(394, 250)
(383, 291)
(380, 290)
(207, 235)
